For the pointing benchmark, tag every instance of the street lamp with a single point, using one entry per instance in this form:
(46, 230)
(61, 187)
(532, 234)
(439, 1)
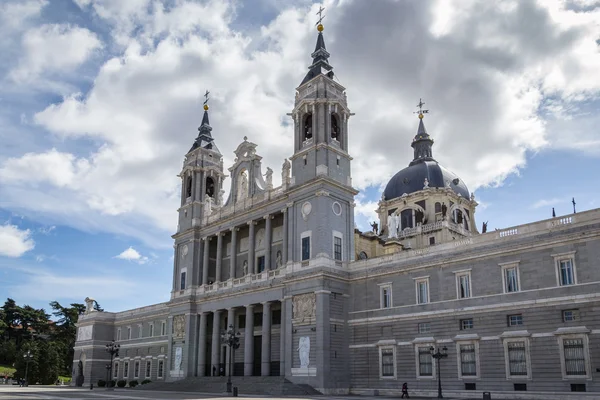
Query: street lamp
(113, 349)
(231, 339)
(438, 357)
(28, 357)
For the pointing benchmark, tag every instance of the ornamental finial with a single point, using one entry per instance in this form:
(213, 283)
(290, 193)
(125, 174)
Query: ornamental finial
(421, 112)
(206, 100)
(320, 21)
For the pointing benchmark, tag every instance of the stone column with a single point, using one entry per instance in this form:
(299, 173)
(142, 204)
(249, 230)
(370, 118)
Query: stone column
(249, 341)
(251, 249)
(289, 334)
(202, 345)
(265, 357)
(284, 250)
(216, 341)
(205, 261)
(268, 234)
(232, 255)
(219, 256)
(282, 330)
(230, 321)
(323, 337)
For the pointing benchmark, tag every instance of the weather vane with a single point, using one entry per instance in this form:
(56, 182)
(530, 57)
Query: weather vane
(421, 111)
(321, 16)
(206, 100)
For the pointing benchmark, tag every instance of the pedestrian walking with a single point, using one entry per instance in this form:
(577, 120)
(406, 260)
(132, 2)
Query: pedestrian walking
(405, 391)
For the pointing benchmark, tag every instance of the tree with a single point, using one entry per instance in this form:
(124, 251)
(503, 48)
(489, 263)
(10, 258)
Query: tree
(65, 331)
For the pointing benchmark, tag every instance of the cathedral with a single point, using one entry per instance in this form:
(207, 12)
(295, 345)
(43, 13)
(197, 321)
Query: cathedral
(423, 297)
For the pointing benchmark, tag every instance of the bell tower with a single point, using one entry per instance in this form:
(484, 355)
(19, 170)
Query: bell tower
(201, 191)
(323, 206)
(320, 123)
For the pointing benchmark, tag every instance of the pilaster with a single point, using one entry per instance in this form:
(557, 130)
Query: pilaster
(249, 341)
(265, 359)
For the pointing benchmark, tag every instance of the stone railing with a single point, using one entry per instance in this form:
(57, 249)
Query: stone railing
(432, 227)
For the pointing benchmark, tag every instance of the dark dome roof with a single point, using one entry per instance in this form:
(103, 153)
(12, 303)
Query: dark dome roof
(411, 179)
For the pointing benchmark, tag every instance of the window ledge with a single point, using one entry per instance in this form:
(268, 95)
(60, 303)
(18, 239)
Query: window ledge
(469, 336)
(510, 334)
(571, 330)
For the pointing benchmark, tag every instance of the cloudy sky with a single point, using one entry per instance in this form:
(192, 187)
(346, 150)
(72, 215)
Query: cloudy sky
(100, 100)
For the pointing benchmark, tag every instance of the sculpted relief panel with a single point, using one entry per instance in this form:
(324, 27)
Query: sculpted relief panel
(304, 307)
(179, 326)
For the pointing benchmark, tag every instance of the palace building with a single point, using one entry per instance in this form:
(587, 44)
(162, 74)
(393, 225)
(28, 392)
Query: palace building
(321, 304)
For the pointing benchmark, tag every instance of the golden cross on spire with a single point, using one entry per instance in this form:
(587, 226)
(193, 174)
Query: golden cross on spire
(206, 100)
(320, 21)
(421, 111)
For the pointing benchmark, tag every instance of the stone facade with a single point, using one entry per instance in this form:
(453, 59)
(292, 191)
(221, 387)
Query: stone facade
(323, 304)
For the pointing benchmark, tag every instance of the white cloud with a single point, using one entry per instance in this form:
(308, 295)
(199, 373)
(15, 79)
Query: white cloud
(132, 254)
(15, 242)
(54, 48)
(14, 14)
(549, 202)
(485, 73)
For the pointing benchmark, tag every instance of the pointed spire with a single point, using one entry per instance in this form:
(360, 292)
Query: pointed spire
(422, 142)
(205, 139)
(320, 56)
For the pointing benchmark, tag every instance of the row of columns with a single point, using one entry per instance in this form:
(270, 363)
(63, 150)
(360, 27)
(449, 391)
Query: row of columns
(248, 340)
(251, 250)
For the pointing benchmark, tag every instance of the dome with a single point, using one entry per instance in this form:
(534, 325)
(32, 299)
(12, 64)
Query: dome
(411, 179)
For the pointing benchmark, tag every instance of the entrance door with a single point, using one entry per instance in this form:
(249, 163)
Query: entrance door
(257, 355)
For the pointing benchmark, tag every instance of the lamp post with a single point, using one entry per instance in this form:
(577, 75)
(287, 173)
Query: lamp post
(437, 355)
(28, 357)
(113, 349)
(231, 339)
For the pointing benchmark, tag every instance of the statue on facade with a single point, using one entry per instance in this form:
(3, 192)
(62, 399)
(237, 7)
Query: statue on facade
(79, 378)
(304, 351)
(208, 203)
(221, 194)
(243, 186)
(89, 305)
(484, 227)
(245, 268)
(426, 184)
(444, 210)
(472, 196)
(285, 172)
(278, 260)
(269, 176)
(375, 227)
(392, 225)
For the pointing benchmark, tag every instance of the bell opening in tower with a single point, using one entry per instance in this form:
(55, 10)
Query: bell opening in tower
(188, 187)
(307, 127)
(335, 130)
(210, 186)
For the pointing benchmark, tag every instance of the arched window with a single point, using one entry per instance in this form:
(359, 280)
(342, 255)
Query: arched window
(307, 127)
(335, 129)
(210, 187)
(438, 207)
(188, 186)
(406, 219)
(362, 256)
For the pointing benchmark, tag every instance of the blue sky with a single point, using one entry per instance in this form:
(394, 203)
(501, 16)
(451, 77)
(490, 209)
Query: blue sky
(100, 99)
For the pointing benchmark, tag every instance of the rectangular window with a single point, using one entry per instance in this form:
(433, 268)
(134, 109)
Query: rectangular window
(140, 331)
(182, 283)
(148, 368)
(470, 386)
(305, 248)
(241, 321)
(468, 361)
(432, 241)
(517, 359)
(422, 291)
(463, 282)
(574, 357)
(570, 315)
(118, 334)
(128, 333)
(161, 364)
(163, 328)
(126, 369)
(424, 327)
(151, 333)
(511, 279)
(578, 387)
(466, 324)
(260, 261)
(386, 296)
(520, 387)
(258, 321)
(565, 272)
(136, 369)
(337, 248)
(425, 362)
(276, 317)
(387, 362)
(515, 320)
(116, 370)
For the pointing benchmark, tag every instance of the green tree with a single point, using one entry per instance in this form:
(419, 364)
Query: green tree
(64, 332)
